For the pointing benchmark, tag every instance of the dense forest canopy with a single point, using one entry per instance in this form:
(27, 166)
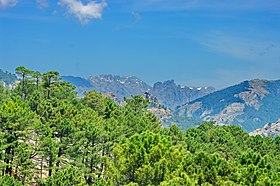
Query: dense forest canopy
(49, 136)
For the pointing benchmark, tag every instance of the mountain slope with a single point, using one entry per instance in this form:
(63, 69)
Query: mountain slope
(7, 78)
(270, 129)
(250, 104)
(77, 81)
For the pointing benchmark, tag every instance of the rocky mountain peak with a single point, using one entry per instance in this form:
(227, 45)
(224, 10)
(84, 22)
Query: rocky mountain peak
(173, 95)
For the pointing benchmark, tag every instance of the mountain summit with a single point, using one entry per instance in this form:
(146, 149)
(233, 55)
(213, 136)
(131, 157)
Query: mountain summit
(172, 95)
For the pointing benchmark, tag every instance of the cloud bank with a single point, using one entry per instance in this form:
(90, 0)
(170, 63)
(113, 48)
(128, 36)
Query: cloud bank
(82, 11)
(7, 3)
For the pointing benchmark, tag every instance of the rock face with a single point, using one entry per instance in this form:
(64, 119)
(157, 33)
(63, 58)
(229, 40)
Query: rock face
(250, 104)
(270, 129)
(171, 95)
(167, 93)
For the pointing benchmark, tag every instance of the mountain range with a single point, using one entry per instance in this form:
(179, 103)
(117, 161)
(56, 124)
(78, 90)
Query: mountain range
(168, 93)
(253, 105)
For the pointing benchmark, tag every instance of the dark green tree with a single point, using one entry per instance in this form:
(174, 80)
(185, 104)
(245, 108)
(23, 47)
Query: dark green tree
(36, 75)
(67, 177)
(9, 181)
(95, 101)
(23, 73)
(15, 119)
(48, 79)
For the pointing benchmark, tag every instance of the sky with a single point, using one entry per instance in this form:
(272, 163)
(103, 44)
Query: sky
(194, 42)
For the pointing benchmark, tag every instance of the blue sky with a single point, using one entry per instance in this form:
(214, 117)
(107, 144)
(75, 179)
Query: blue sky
(194, 42)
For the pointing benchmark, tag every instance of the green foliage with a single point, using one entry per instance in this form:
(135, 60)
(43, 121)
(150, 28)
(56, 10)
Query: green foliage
(137, 118)
(95, 101)
(53, 138)
(15, 118)
(1, 90)
(23, 73)
(9, 181)
(147, 158)
(68, 177)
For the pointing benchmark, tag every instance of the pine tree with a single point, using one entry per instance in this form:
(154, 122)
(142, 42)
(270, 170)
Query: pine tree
(23, 72)
(15, 118)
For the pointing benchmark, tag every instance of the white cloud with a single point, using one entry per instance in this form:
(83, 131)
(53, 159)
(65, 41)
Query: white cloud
(42, 3)
(84, 12)
(7, 3)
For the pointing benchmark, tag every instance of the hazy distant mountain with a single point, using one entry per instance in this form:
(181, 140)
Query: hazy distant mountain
(7, 78)
(82, 85)
(167, 93)
(77, 81)
(250, 104)
(121, 87)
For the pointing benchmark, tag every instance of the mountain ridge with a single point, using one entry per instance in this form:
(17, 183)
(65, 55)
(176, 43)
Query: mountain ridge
(249, 104)
(168, 92)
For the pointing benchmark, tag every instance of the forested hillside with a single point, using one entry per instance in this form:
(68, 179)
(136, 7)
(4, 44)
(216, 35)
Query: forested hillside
(51, 137)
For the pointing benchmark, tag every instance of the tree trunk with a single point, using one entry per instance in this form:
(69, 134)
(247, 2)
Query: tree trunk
(8, 152)
(48, 95)
(37, 83)
(102, 164)
(50, 166)
(22, 89)
(59, 155)
(41, 167)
